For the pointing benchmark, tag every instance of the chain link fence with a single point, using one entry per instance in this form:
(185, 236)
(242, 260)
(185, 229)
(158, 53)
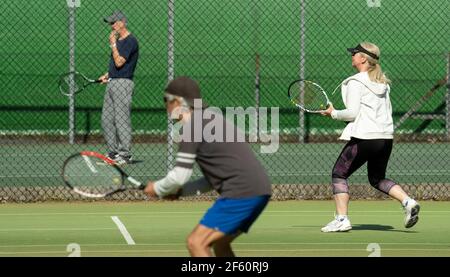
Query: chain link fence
(243, 54)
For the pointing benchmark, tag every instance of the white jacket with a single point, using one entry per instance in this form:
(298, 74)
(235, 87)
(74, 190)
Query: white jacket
(368, 109)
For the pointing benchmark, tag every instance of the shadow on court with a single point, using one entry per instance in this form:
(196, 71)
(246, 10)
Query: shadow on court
(377, 227)
(362, 227)
(136, 161)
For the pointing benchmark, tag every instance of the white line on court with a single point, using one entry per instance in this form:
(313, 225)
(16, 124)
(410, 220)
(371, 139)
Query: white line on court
(123, 230)
(89, 164)
(54, 229)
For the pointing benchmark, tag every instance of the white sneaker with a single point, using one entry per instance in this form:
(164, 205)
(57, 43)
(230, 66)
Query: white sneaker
(112, 155)
(338, 225)
(122, 160)
(412, 209)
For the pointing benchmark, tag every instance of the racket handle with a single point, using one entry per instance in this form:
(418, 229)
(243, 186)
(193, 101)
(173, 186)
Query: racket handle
(141, 187)
(135, 182)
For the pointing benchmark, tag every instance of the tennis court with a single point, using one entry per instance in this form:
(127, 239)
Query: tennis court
(286, 229)
(244, 54)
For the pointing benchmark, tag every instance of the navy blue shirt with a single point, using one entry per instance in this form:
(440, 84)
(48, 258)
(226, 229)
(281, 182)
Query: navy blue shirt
(128, 49)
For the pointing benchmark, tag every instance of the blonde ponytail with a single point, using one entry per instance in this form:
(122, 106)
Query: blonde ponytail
(377, 75)
(375, 72)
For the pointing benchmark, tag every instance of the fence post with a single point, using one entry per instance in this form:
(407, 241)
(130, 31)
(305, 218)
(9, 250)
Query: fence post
(170, 76)
(257, 100)
(255, 13)
(72, 6)
(447, 100)
(302, 131)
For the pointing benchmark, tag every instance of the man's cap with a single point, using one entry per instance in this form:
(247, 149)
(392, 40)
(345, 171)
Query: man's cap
(359, 48)
(115, 16)
(187, 88)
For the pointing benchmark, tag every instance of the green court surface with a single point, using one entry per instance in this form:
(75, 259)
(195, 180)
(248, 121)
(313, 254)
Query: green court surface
(288, 229)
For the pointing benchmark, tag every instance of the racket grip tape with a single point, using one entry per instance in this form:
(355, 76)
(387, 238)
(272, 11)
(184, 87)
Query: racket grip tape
(135, 182)
(141, 187)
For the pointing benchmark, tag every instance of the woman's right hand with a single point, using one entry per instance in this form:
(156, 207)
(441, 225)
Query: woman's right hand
(328, 111)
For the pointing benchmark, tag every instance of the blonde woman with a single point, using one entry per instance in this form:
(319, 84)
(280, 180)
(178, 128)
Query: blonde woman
(369, 134)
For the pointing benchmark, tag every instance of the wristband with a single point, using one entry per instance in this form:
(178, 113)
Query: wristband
(113, 45)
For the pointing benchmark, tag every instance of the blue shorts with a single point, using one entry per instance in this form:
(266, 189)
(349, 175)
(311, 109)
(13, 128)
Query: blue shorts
(230, 215)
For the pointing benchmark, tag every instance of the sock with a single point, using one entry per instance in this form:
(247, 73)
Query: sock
(405, 201)
(341, 217)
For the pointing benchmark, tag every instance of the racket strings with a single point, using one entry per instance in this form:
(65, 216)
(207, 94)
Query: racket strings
(309, 96)
(92, 175)
(71, 83)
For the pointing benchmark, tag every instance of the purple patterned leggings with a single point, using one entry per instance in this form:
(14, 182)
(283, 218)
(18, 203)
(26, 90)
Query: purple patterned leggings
(375, 152)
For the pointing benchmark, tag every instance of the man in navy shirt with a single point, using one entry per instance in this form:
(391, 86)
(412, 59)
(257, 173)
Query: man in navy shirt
(116, 113)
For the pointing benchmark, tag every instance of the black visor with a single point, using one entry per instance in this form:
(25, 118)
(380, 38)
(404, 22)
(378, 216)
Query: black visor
(359, 48)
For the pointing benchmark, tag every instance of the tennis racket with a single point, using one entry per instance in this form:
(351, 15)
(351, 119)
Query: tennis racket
(94, 175)
(308, 96)
(74, 82)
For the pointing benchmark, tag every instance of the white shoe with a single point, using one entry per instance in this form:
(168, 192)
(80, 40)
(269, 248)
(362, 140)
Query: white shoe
(121, 160)
(112, 155)
(337, 225)
(412, 209)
